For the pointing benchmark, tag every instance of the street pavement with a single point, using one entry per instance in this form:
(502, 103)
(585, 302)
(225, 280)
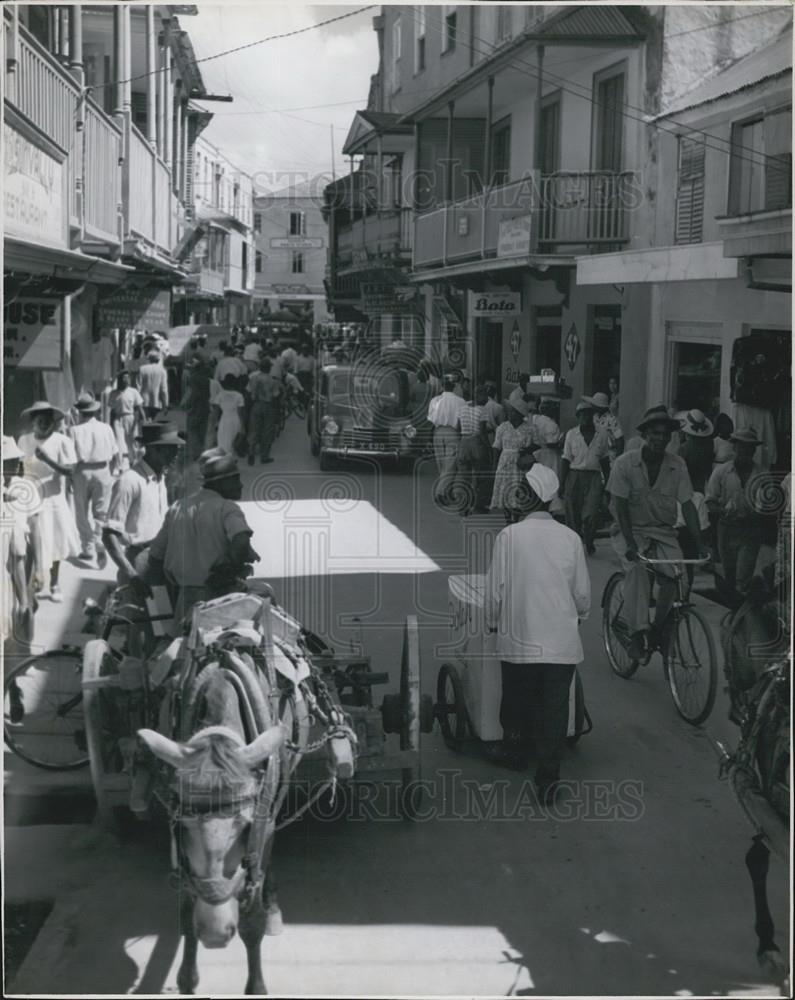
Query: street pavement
(637, 887)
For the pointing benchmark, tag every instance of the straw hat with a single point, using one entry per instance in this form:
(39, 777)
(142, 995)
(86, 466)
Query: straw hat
(747, 435)
(695, 423)
(219, 467)
(87, 404)
(42, 407)
(658, 415)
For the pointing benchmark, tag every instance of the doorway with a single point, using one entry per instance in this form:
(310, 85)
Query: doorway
(549, 328)
(605, 346)
(488, 351)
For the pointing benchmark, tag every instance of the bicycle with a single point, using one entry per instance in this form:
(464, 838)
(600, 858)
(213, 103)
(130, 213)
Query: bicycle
(43, 711)
(690, 660)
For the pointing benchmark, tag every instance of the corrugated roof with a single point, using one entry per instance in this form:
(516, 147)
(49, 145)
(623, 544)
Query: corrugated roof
(591, 19)
(384, 120)
(764, 64)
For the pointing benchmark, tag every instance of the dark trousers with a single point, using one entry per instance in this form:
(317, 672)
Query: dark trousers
(535, 704)
(473, 473)
(738, 548)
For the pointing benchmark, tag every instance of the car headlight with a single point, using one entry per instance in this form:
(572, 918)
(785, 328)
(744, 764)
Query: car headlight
(410, 431)
(331, 427)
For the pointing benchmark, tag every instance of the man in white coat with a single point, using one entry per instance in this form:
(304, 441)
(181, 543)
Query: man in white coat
(537, 592)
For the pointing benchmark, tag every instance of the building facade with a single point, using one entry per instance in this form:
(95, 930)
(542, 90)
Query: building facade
(290, 237)
(529, 154)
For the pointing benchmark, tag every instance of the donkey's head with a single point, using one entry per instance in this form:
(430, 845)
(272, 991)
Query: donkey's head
(213, 789)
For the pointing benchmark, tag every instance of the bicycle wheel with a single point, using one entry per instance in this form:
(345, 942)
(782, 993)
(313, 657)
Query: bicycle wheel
(691, 664)
(615, 632)
(299, 408)
(43, 718)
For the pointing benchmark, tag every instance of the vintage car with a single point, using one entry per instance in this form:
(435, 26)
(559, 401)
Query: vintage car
(361, 411)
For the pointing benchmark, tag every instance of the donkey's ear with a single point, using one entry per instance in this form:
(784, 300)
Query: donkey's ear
(163, 748)
(263, 746)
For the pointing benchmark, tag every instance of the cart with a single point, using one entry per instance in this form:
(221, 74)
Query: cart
(469, 684)
(135, 676)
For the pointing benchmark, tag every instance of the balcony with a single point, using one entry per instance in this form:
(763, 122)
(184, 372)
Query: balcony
(561, 211)
(153, 214)
(384, 238)
(48, 100)
(763, 233)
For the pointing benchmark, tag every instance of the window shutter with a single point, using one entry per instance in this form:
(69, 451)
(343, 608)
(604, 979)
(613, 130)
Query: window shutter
(778, 159)
(690, 190)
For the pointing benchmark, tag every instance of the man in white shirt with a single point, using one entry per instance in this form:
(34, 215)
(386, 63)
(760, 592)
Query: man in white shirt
(520, 392)
(96, 448)
(444, 412)
(537, 592)
(153, 385)
(585, 462)
(229, 364)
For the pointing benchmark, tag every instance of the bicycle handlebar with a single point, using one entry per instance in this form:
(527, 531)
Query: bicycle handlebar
(674, 562)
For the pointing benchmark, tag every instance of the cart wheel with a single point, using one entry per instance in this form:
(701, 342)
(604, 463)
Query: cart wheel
(411, 790)
(111, 785)
(450, 707)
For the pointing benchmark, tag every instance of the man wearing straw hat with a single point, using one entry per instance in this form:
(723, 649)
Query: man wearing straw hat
(204, 535)
(730, 498)
(645, 486)
(585, 461)
(97, 449)
(537, 592)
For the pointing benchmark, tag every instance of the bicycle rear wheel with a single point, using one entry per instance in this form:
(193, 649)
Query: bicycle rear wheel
(691, 664)
(43, 718)
(615, 632)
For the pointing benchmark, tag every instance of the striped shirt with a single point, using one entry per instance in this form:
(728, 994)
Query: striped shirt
(470, 419)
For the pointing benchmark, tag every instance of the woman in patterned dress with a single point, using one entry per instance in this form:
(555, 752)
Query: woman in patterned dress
(512, 436)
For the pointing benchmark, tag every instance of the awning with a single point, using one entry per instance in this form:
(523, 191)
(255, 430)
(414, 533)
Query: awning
(542, 261)
(178, 336)
(32, 258)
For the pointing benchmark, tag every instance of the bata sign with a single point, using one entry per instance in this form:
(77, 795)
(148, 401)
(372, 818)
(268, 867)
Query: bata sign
(495, 304)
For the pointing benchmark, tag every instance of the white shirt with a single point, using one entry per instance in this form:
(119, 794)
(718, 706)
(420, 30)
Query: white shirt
(94, 441)
(444, 410)
(153, 384)
(537, 589)
(138, 505)
(289, 356)
(229, 366)
(517, 396)
(545, 429)
(57, 447)
(251, 351)
(581, 455)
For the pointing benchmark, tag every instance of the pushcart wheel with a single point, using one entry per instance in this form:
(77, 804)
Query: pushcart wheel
(451, 709)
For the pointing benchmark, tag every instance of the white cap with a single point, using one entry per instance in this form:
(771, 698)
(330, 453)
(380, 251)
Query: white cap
(543, 482)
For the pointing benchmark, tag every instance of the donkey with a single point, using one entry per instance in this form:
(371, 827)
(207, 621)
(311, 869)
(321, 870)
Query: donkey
(222, 831)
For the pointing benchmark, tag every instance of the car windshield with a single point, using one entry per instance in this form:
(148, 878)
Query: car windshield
(381, 390)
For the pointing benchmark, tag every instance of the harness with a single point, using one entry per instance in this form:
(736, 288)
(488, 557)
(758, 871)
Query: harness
(266, 792)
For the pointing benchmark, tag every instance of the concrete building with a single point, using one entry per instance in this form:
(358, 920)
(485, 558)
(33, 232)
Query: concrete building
(534, 159)
(290, 237)
(220, 286)
(97, 133)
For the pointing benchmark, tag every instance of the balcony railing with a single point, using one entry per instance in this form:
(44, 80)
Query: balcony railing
(102, 176)
(388, 234)
(564, 209)
(152, 216)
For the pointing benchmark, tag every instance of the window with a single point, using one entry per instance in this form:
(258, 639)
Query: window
(504, 15)
(258, 262)
(298, 223)
(419, 39)
(501, 152)
(397, 40)
(298, 262)
(695, 370)
(450, 27)
(244, 265)
(761, 162)
(690, 189)
(609, 122)
(257, 222)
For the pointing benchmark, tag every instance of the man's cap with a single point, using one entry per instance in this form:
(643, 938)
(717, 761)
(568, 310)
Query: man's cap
(159, 432)
(42, 406)
(11, 449)
(747, 435)
(658, 415)
(599, 400)
(543, 482)
(695, 423)
(206, 455)
(219, 467)
(87, 404)
(519, 405)
(586, 403)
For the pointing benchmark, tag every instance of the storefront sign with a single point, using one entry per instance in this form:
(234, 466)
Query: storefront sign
(34, 207)
(515, 341)
(572, 347)
(135, 309)
(297, 243)
(380, 298)
(494, 305)
(294, 289)
(32, 335)
(514, 236)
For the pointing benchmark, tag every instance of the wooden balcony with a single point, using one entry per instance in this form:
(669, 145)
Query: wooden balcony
(385, 236)
(153, 209)
(565, 210)
(49, 99)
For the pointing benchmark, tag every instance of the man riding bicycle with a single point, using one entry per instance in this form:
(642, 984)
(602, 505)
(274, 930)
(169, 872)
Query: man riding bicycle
(645, 486)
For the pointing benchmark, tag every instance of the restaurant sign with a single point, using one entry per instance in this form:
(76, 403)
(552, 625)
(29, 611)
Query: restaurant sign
(32, 336)
(135, 309)
(514, 239)
(34, 205)
(297, 243)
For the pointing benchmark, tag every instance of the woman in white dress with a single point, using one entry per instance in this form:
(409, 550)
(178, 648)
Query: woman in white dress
(229, 404)
(513, 435)
(49, 458)
(126, 407)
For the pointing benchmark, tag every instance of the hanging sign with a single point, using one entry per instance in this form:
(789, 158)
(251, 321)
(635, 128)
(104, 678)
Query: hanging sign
(32, 335)
(297, 243)
(495, 305)
(135, 309)
(572, 347)
(514, 239)
(34, 207)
